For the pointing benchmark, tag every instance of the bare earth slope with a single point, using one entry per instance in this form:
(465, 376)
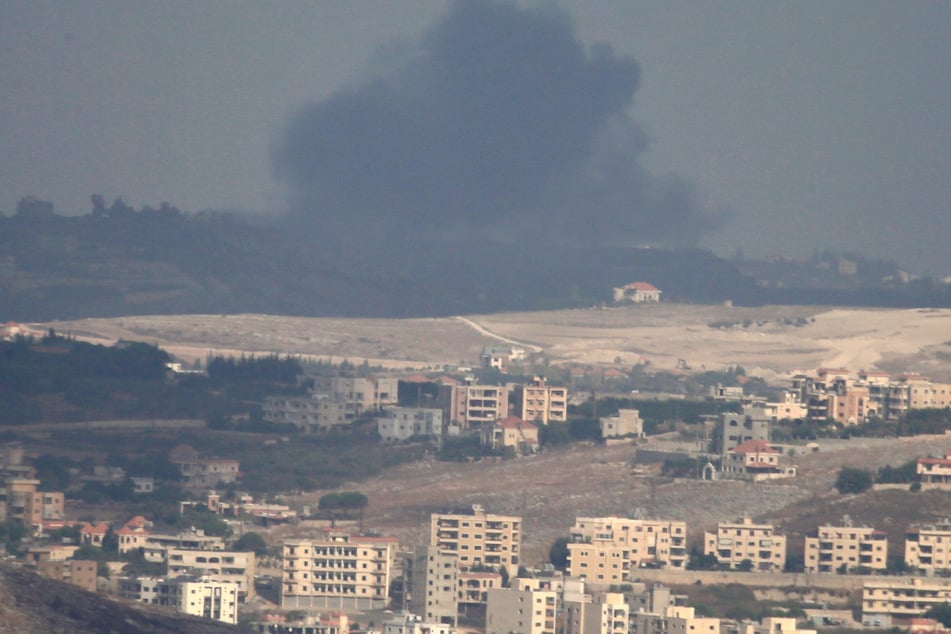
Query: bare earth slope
(766, 340)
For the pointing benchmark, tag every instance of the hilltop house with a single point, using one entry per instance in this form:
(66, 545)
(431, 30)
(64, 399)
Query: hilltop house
(637, 293)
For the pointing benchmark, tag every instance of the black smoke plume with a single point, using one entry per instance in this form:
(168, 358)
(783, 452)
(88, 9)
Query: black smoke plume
(499, 123)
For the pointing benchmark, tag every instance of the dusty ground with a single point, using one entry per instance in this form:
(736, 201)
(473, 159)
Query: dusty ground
(770, 345)
(551, 489)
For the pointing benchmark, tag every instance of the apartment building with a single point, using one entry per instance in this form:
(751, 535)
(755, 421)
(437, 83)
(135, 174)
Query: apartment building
(676, 619)
(203, 473)
(471, 406)
(338, 571)
(772, 625)
(759, 545)
(80, 573)
(542, 403)
(480, 538)
(413, 624)
(501, 357)
(333, 401)
(844, 548)
(396, 424)
(889, 597)
(935, 473)
(191, 594)
(22, 501)
(928, 548)
(511, 611)
(732, 429)
(431, 577)
(626, 423)
(331, 623)
(474, 587)
(226, 566)
(607, 550)
(755, 460)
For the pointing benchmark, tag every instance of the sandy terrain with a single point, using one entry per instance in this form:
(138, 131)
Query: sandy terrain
(766, 341)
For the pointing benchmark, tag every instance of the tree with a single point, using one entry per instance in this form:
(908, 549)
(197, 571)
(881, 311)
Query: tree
(941, 613)
(251, 542)
(558, 553)
(745, 566)
(852, 480)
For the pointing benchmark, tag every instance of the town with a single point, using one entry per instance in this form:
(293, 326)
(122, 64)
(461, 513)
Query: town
(272, 563)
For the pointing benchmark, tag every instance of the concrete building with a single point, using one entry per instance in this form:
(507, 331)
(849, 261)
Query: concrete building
(333, 401)
(510, 433)
(732, 429)
(431, 581)
(338, 571)
(80, 573)
(22, 501)
(501, 357)
(412, 624)
(844, 548)
(637, 293)
(607, 550)
(480, 538)
(471, 406)
(890, 597)
(626, 423)
(755, 460)
(226, 566)
(928, 548)
(676, 619)
(331, 623)
(542, 403)
(396, 424)
(772, 625)
(736, 542)
(194, 595)
(511, 611)
(474, 587)
(935, 473)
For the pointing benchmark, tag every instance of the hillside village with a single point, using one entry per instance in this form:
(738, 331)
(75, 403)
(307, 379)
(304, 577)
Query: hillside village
(273, 565)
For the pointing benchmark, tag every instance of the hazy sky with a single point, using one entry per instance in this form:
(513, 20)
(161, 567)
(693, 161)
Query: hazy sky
(806, 125)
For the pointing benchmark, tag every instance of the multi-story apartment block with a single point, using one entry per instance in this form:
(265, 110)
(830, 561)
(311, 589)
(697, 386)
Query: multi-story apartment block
(676, 619)
(474, 587)
(481, 539)
(626, 423)
(81, 573)
(20, 500)
(885, 598)
(472, 405)
(226, 566)
(191, 594)
(396, 424)
(330, 623)
(333, 401)
(928, 548)
(737, 542)
(843, 548)
(338, 571)
(510, 433)
(431, 581)
(732, 429)
(203, 473)
(772, 625)
(511, 611)
(542, 403)
(413, 624)
(606, 550)
(935, 473)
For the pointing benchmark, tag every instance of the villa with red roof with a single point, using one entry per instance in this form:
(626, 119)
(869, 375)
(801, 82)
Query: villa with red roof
(512, 432)
(755, 460)
(637, 293)
(935, 473)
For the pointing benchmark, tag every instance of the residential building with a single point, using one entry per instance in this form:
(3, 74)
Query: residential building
(191, 594)
(21, 500)
(411, 624)
(745, 544)
(203, 473)
(227, 566)
(474, 587)
(542, 403)
(471, 406)
(333, 401)
(902, 597)
(78, 572)
(676, 619)
(511, 611)
(772, 625)
(732, 429)
(331, 623)
(338, 571)
(755, 460)
(501, 357)
(431, 583)
(607, 550)
(511, 433)
(480, 538)
(637, 293)
(935, 473)
(844, 548)
(396, 424)
(626, 423)
(928, 548)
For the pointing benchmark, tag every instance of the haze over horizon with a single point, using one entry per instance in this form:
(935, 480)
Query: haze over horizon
(768, 128)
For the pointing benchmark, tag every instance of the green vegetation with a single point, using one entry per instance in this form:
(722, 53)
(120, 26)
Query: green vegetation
(558, 553)
(941, 613)
(852, 480)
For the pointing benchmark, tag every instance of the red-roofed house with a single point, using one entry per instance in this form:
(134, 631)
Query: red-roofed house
(755, 460)
(637, 293)
(93, 533)
(513, 432)
(935, 473)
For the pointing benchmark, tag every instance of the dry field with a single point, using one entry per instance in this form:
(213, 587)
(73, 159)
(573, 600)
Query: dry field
(770, 345)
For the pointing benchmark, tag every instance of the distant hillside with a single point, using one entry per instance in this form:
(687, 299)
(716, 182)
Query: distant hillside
(165, 262)
(31, 603)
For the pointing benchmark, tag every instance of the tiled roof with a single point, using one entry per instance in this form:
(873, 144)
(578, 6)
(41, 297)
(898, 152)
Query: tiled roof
(642, 286)
(754, 446)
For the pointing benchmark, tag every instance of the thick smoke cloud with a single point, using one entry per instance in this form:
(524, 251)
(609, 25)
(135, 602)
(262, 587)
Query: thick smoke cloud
(499, 122)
